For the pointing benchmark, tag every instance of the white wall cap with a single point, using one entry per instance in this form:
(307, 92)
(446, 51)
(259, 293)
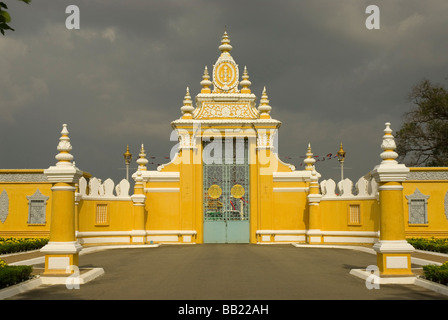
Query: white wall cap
(300, 175)
(158, 176)
(393, 246)
(314, 198)
(138, 198)
(390, 172)
(68, 174)
(69, 247)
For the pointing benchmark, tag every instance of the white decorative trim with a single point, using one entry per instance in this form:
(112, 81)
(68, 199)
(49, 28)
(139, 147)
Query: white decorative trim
(351, 198)
(178, 232)
(128, 198)
(163, 238)
(417, 195)
(82, 234)
(99, 190)
(390, 188)
(105, 240)
(4, 206)
(390, 172)
(23, 177)
(396, 262)
(162, 190)
(57, 263)
(290, 189)
(343, 236)
(242, 110)
(157, 176)
(295, 176)
(353, 239)
(352, 233)
(261, 232)
(393, 246)
(138, 199)
(226, 122)
(428, 175)
(289, 238)
(67, 174)
(63, 188)
(445, 202)
(290, 166)
(37, 208)
(69, 247)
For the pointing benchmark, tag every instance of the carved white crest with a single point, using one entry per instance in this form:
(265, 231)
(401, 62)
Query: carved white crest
(4, 206)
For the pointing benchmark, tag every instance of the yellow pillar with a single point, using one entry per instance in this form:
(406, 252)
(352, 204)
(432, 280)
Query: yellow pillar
(314, 233)
(138, 234)
(61, 252)
(77, 199)
(393, 251)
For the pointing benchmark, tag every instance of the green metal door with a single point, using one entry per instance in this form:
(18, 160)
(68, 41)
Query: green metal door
(226, 191)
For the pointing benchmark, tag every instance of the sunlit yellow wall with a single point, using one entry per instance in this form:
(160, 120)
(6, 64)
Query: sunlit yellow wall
(335, 215)
(16, 224)
(119, 215)
(437, 225)
(163, 209)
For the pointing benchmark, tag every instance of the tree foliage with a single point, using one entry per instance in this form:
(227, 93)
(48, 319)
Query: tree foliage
(5, 17)
(423, 138)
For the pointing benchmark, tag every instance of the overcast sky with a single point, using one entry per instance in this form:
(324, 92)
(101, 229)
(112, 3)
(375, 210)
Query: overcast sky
(121, 78)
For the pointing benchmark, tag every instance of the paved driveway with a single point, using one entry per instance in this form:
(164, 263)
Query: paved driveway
(228, 272)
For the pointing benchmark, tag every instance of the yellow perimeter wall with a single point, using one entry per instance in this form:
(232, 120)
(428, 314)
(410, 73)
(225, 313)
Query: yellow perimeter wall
(432, 182)
(279, 209)
(16, 223)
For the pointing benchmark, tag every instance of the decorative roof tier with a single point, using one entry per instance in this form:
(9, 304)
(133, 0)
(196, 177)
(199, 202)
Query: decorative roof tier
(225, 98)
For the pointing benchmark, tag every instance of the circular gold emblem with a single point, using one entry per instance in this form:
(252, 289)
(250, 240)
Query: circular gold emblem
(214, 191)
(237, 191)
(225, 75)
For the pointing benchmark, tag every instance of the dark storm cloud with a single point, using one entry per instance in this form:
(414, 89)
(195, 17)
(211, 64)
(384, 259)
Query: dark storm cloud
(121, 78)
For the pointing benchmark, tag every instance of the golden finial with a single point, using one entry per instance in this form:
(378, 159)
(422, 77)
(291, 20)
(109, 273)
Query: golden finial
(142, 161)
(64, 147)
(388, 145)
(341, 154)
(206, 83)
(127, 156)
(127, 161)
(264, 108)
(225, 43)
(187, 107)
(309, 161)
(341, 158)
(245, 83)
